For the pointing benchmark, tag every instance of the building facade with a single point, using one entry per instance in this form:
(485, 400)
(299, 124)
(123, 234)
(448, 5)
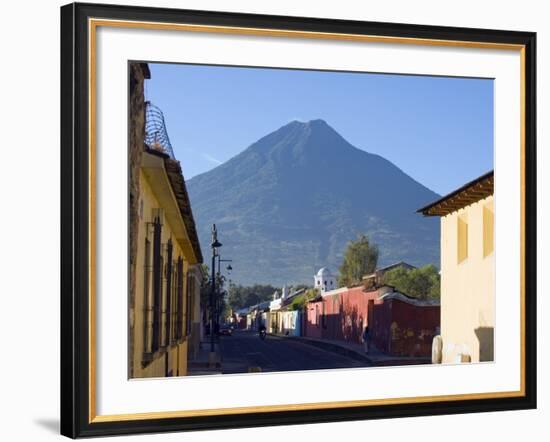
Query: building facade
(165, 254)
(467, 271)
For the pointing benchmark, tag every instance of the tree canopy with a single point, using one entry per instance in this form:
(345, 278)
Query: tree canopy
(245, 296)
(422, 283)
(360, 258)
(299, 301)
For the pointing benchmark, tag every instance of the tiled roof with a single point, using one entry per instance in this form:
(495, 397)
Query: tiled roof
(470, 193)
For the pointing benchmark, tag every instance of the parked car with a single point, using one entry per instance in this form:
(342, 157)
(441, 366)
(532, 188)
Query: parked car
(225, 330)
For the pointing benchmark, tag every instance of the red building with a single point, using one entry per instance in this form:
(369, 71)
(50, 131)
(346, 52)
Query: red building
(398, 324)
(340, 314)
(403, 326)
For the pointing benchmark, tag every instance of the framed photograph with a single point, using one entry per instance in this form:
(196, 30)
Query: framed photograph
(273, 220)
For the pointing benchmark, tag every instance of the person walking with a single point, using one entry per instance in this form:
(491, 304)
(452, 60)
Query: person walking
(365, 339)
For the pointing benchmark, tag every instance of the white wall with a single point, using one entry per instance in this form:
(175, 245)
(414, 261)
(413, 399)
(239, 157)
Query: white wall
(29, 170)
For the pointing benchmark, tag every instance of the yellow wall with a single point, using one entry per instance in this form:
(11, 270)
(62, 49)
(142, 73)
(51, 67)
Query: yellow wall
(468, 285)
(176, 354)
(195, 335)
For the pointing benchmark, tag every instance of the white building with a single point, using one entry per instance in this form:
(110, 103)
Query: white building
(324, 280)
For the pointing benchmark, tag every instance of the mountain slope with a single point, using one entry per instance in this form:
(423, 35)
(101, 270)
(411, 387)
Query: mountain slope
(290, 202)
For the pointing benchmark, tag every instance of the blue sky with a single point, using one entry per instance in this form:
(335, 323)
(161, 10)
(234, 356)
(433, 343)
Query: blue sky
(438, 130)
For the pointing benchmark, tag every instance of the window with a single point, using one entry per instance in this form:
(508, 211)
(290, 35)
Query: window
(174, 303)
(190, 303)
(462, 238)
(168, 324)
(147, 299)
(488, 229)
(179, 297)
(163, 304)
(157, 283)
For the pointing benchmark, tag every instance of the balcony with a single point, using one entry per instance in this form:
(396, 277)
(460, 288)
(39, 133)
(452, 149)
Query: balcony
(156, 135)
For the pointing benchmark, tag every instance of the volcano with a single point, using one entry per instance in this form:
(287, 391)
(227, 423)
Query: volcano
(290, 202)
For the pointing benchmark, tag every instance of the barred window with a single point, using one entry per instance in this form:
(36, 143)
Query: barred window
(179, 296)
(168, 294)
(190, 303)
(174, 304)
(147, 299)
(157, 282)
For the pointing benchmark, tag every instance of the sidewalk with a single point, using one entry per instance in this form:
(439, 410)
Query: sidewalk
(202, 364)
(355, 351)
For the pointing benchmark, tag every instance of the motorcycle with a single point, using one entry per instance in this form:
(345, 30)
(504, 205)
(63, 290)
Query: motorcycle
(263, 334)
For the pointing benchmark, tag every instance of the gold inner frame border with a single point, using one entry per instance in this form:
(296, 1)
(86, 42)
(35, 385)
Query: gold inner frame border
(93, 24)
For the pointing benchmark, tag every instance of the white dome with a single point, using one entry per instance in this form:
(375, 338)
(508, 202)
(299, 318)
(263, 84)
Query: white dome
(323, 272)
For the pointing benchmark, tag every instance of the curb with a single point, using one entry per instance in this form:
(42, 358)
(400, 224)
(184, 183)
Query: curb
(202, 365)
(330, 347)
(401, 362)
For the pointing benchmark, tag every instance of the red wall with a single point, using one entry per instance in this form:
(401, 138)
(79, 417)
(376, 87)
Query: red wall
(342, 316)
(402, 329)
(395, 327)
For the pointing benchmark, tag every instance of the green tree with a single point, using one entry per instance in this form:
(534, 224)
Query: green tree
(244, 296)
(252, 299)
(205, 286)
(422, 283)
(360, 259)
(235, 297)
(299, 301)
(206, 289)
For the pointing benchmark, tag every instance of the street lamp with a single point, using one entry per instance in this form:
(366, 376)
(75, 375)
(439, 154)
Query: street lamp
(215, 245)
(220, 260)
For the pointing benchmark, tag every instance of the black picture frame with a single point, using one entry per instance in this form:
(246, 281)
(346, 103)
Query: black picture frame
(75, 221)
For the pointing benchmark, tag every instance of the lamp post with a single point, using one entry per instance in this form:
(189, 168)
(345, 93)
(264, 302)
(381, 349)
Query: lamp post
(215, 246)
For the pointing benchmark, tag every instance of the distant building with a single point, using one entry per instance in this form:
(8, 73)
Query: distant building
(275, 304)
(467, 271)
(281, 320)
(324, 280)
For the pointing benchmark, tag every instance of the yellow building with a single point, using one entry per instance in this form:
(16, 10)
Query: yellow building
(467, 271)
(165, 254)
